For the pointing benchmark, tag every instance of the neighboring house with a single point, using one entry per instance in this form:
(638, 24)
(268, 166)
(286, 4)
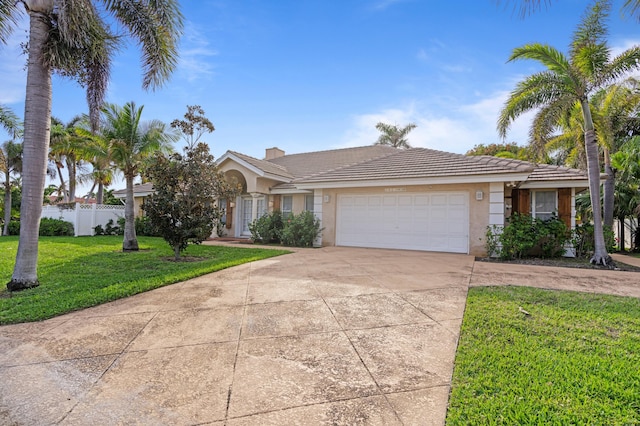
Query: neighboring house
(383, 197)
(140, 192)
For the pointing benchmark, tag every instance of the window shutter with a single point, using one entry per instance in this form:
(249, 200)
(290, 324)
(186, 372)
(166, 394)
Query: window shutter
(521, 200)
(564, 205)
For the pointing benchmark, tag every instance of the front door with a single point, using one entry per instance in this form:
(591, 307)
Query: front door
(246, 215)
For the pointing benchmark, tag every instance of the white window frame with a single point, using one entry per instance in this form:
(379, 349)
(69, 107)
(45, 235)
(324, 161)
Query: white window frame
(287, 210)
(547, 214)
(308, 203)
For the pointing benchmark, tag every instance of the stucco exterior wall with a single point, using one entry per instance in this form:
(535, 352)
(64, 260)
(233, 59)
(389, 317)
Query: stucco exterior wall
(478, 210)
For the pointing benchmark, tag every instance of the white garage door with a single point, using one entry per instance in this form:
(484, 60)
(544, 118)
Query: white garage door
(414, 221)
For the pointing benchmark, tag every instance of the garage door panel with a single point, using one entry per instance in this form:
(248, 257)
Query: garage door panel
(415, 221)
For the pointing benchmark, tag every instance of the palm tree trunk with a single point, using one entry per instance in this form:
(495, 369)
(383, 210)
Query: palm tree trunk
(37, 122)
(63, 186)
(130, 242)
(71, 165)
(608, 188)
(100, 194)
(7, 203)
(600, 255)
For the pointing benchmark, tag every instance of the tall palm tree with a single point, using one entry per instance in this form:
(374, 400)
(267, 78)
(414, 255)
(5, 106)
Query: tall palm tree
(10, 163)
(615, 115)
(393, 135)
(567, 80)
(75, 39)
(67, 149)
(131, 143)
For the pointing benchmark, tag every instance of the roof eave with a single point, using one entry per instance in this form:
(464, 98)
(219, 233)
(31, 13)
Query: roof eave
(441, 180)
(231, 156)
(560, 183)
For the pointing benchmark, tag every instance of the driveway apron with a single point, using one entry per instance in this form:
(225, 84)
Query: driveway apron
(335, 336)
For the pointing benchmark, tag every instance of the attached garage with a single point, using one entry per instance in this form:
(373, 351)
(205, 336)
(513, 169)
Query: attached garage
(430, 221)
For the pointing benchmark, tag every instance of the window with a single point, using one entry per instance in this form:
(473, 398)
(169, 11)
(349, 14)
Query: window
(308, 203)
(287, 205)
(544, 204)
(222, 205)
(262, 210)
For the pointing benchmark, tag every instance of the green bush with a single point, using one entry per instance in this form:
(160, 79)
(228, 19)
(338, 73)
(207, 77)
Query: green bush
(55, 228)
(145, 228)
(294, 230)
(267, 228)
(14, 227)
(583, 240)
(527, 236)
(300, 230)
(98, 230)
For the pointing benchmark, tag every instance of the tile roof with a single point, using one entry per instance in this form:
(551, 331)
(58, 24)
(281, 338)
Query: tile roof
(422, 163)
(264, 165)
(311, 163)
(546, 172)
(137, 189)
(377, 162)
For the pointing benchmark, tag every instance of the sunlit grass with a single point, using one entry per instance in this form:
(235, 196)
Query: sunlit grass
(79, 272)
(530, 356)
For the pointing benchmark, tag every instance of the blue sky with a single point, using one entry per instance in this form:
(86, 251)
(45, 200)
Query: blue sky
(315, 75)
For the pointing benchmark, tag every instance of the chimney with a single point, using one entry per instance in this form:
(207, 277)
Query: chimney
(271, 153)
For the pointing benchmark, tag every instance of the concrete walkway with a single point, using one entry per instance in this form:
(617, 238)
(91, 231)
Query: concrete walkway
(333, 336)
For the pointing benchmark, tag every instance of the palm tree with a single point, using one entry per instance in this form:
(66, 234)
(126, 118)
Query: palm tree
(68, 148)
(9, 121)
(75, 39)
(615, 115)
(10, 163)
(131, 143)
(570, 80)
(630, 7)
(393, 135)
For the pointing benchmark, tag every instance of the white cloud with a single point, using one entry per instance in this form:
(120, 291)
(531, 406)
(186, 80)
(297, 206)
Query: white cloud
(457, 129)
(384, 4)
(195, 54)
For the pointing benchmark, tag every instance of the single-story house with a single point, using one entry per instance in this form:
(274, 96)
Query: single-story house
(140, 192)
(383, 197)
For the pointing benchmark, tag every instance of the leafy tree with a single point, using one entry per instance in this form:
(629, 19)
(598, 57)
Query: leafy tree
(10, 163)
(183, 206)
(76, 39)
(393, 135)
(504, 150)
(194, 125)
(572, 79)
(132, 144)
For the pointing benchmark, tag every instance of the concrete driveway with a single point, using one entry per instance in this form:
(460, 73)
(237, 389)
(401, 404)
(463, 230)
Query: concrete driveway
(333, 336)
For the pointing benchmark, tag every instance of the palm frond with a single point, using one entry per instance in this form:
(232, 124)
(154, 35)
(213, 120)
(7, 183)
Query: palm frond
(8, 18)
(632, 8)
(547, 55)
(156, 25)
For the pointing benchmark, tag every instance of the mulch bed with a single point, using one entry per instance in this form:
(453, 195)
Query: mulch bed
(565, 262)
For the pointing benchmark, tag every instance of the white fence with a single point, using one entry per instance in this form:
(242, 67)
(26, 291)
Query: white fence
(84, 217)
(630, 226)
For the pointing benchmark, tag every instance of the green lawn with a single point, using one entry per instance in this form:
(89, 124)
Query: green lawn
(574, 360)
(79, 272)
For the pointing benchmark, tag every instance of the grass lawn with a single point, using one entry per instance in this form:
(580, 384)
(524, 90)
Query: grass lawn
(574, 360)
(78, 272)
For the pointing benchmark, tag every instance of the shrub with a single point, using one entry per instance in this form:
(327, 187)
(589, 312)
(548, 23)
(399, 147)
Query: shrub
(55, 228)
(145, 228)
(111, 229)
(527, 236)
(14, 227)
(583, 240)
(300, 230)
(267, 228)
(98, 230)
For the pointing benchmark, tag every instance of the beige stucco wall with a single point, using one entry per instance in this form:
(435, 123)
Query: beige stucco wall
(478, 210)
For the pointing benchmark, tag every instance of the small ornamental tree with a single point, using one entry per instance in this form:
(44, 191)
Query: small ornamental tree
(183, 207)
